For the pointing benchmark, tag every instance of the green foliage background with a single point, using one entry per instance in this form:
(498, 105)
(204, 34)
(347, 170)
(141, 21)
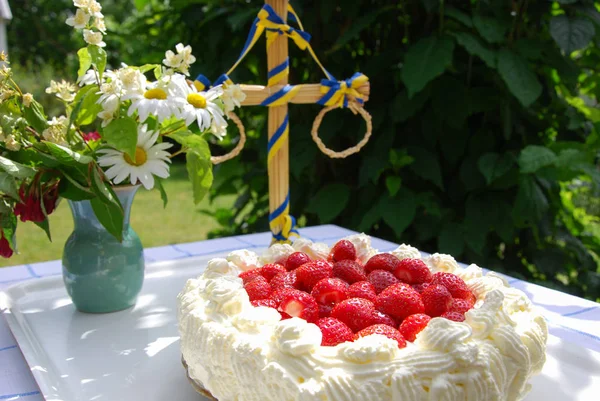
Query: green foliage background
(486, 124)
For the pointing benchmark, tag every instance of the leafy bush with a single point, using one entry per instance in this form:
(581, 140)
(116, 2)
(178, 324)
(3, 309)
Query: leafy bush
(485, 115)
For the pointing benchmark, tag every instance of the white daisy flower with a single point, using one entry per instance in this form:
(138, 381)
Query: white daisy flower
(233, 96)
(151, 159)
(194, 105)
(93, 38)
(154, 100)
(79, 20)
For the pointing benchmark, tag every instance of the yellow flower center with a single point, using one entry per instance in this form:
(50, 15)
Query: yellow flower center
(140, 157)
(155, 93)
(197, 100)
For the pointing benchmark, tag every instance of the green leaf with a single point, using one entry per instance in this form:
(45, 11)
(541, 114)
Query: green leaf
(45, 226)
(8, 185)
(398, 212)
(400, 158)
(531, 202)
(393, 183)
(590, 11)
(98, 57)
(426, 166)
(163, 194)
(85, 61)
(89, 109)
(15, 169)
(141, 4)
(63, 154)
(34, 114)
(458, 15)
(451, 240)
(493, 165)
(200, 172)
(371, 217)
(358, 26)
(402, 108)
(431, 5)
(122, 135)
(519, 78)
(106, 206)
(571, 33)
(424, 61)
(491, 29)
(329, 202)
(69, 188)
(533, 158)
(474, 46)
(449, 96)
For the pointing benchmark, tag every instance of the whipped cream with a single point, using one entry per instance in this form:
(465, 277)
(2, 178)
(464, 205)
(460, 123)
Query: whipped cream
(239, 352)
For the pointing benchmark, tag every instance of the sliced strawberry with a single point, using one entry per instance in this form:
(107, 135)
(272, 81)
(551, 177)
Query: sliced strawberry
(349, 271)
(362, 289)
(460, 306)
(384, 330)
(382, 279)
(343, 250)
(378, 317)
(270, 270)
(334, 331)
(412, 325)
(412, 271)
(436, 299)
(284, 280)
(455, 316)
(457, 287)
(330, 291)
(420, 287)
(269, 303)
(295, 260)
(325, 310)
(299, 304)
(279, 294)
(249, 275)
(355, 312)
(382, 261)
(311, 273)
(399, 301)
(258, 288)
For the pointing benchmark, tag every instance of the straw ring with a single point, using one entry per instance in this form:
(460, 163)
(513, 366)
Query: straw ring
(238, 148)
(350, 151)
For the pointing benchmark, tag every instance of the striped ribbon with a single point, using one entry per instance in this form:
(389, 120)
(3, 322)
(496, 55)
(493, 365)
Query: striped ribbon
(202, 83)
(340, 92)
(282, 223)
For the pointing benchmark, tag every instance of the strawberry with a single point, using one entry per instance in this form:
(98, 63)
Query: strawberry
(412, 325)
(249, 275)
(325, 310)
(295, 260)
(258, 288)
(420, 287)
(270, 270)
(412, 271)
(282, 261)
(382, 279)
(455, 316)
(384, 330)
(311, 273)
(349, 271)
(334, 331)
(460, 306)
(299, 304)
(284, 280)
(362, 289)
(269, 303)
(381, 318)
(471, 299)
(355, 312)
(278, 294)
(457, 287)
(437, 300)
(330, 291)
(382, 261)
(399, 301)
(343, 250)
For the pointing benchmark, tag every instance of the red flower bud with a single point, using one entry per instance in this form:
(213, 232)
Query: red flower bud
(5, 249)
(91, 136)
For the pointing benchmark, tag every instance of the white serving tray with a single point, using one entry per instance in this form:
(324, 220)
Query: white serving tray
(134, 355)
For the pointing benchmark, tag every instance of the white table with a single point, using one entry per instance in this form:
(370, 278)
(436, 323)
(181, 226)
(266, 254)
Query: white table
(571, 318)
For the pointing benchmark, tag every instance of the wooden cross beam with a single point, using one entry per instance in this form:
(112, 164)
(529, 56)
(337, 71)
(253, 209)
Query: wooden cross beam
(278, 124)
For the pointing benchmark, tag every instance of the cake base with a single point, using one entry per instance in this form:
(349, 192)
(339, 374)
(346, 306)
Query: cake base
(195, 384)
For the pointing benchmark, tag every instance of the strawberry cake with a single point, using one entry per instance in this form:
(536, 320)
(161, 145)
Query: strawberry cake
(309, 322)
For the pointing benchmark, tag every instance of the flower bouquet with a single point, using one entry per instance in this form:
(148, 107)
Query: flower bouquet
(113, 132)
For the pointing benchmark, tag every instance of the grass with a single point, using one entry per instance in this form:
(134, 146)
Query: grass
(180, 222)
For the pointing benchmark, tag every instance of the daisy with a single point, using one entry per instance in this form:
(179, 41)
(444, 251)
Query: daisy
(198, 106)
(154, 100)
(151, 159)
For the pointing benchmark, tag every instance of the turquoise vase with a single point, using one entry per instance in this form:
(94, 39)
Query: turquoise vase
(102, 274)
